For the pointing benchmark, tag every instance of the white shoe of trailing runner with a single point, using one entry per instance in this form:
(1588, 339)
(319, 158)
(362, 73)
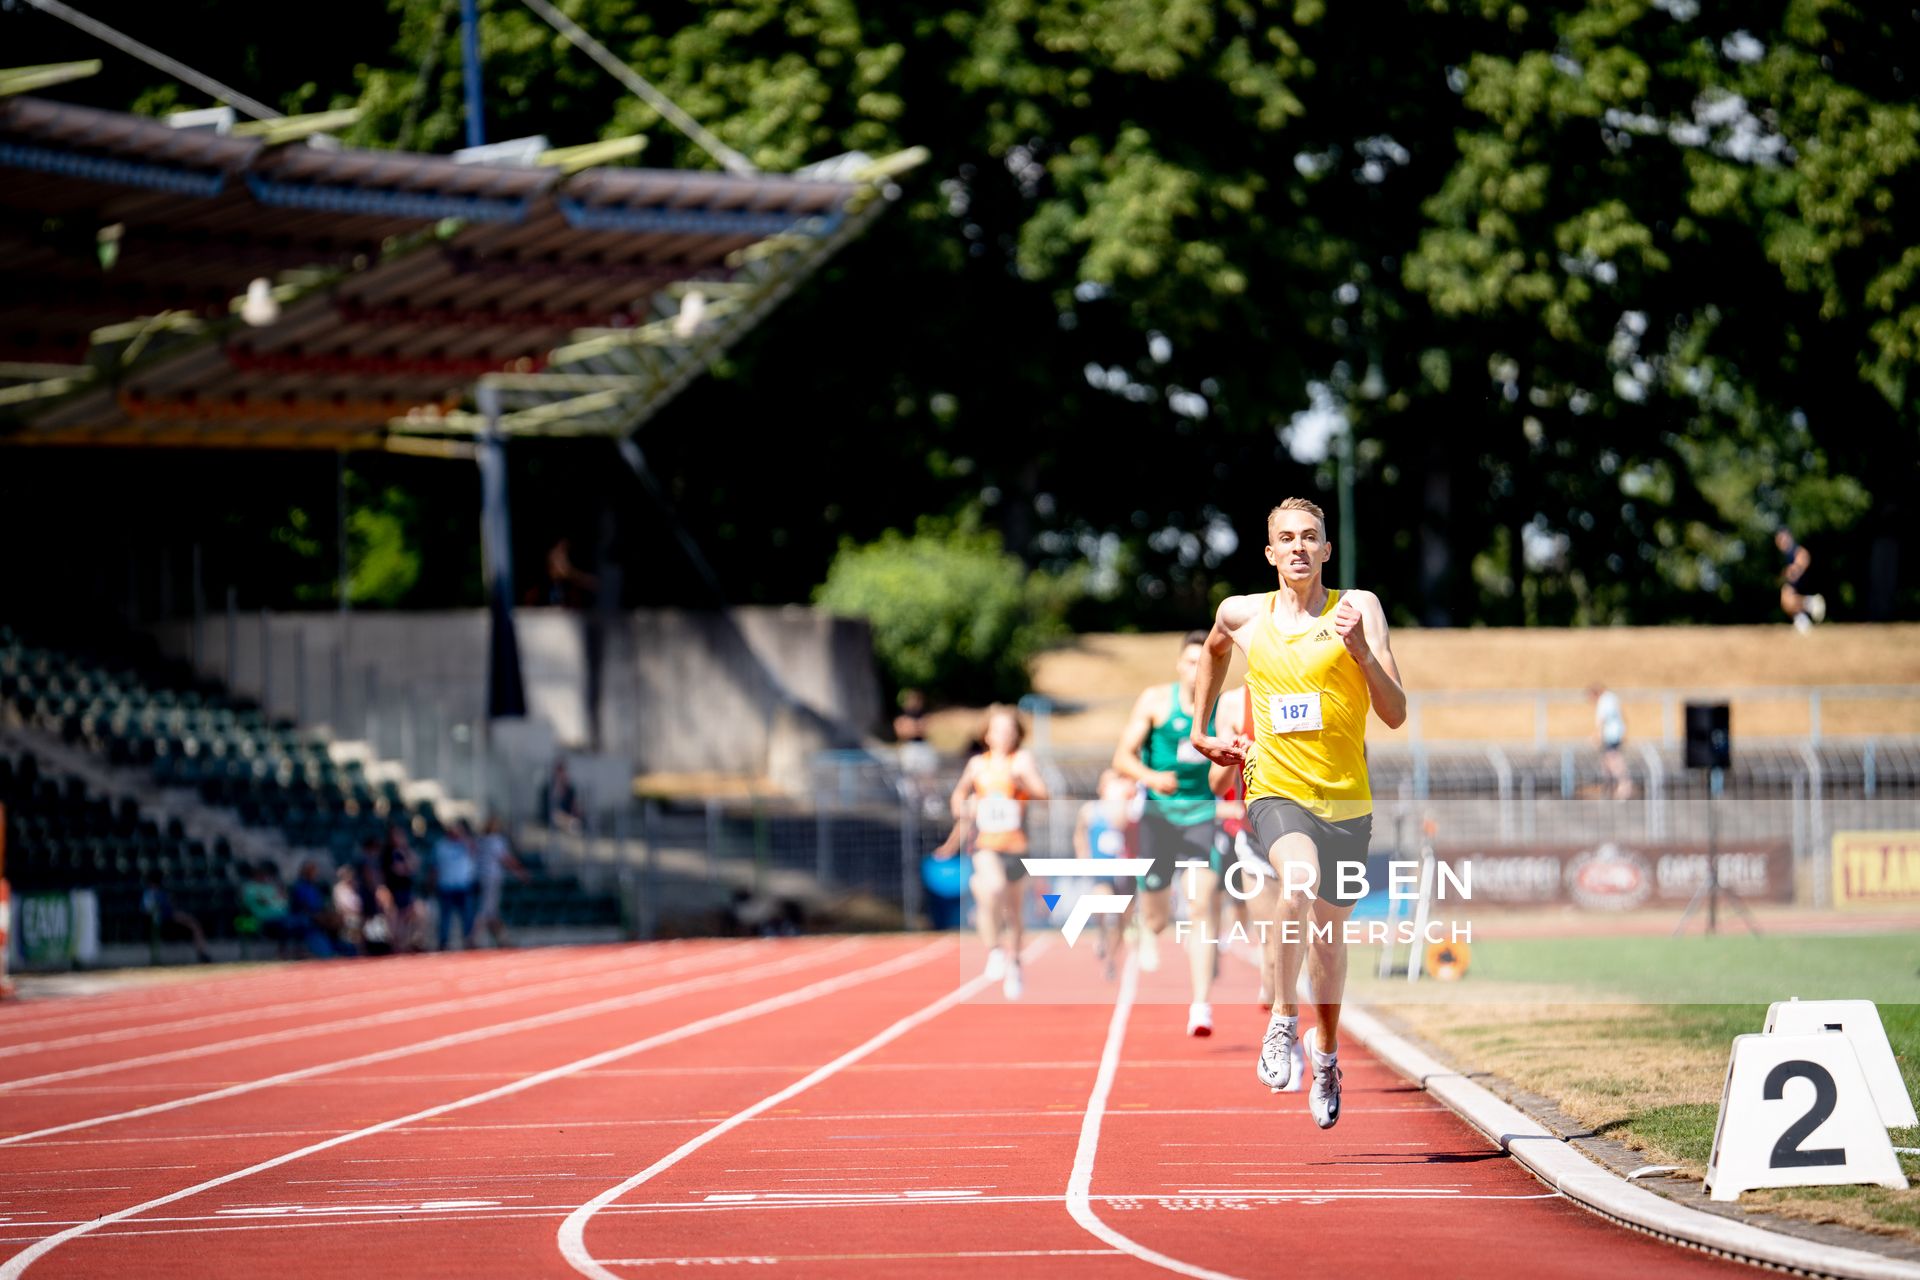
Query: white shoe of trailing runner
(1015, 986)
(1817, 606)
(1323, 1099)
(1149, 950)
(1274, 1066)
(1199, 1019)
(996, 965)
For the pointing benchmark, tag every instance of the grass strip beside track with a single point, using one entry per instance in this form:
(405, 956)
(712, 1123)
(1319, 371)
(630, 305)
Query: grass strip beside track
(1595, 1026)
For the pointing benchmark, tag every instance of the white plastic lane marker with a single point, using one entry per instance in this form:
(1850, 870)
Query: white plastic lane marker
(1080, 1184)
(651, 996)
(295, 1006)
(17, 1265)
(573, 1232)
(404, 1013)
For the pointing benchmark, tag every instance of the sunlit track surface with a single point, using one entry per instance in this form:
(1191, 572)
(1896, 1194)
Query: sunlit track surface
(814, 1107)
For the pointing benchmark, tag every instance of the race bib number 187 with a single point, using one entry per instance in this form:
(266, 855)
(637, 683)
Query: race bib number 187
(1295, 712)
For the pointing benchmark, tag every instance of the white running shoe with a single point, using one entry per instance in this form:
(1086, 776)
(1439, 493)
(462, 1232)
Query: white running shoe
(1015, 986)
(1149, 950)
(1802, 623)
(996, 964)
(1323, 1100)
(1274, 1066)
(1817, 606)
(1199, 1019)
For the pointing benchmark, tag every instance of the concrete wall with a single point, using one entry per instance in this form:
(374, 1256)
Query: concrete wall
(751, 691)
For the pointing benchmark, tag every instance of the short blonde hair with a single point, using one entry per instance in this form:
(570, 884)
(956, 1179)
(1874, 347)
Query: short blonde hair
(1307, 505)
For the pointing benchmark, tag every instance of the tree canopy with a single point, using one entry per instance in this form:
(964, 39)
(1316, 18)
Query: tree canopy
(1603, 289)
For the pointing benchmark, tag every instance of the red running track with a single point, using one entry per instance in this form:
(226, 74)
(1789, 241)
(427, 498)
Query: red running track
(817, 1108)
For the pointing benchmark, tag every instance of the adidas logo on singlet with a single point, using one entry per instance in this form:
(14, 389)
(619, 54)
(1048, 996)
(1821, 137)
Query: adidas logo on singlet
(1323, 634)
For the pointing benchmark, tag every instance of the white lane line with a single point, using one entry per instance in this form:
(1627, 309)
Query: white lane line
(1080, 1184)
(289, 1008)
(279, 981)
(613, 1003)
(386, 1017)
(765, 1259)
(16, 1266)
(573, 1232)
(401, 1215)
(836, 1118)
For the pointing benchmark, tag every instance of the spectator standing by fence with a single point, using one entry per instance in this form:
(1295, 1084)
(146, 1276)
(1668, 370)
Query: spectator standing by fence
(453, 873)
(493, 859)
(1610, 732)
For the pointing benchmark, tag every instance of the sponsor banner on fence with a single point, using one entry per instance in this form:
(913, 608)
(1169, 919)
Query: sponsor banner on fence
(1619, 875)
(1876, 868)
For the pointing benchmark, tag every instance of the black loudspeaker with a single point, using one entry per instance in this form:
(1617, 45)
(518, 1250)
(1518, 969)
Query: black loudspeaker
(1709, 736)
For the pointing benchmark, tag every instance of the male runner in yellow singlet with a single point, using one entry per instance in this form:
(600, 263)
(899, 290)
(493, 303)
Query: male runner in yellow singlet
(1316, 659)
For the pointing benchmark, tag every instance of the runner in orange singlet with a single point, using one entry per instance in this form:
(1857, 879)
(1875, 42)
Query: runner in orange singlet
(991, 798)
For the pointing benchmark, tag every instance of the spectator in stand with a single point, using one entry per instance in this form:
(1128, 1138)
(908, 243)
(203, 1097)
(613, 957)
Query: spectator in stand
(493, 859)
(453, 878)
(265, 902)
(310, 911)
(169, 921)
(376, 900)
(561, 799)
(400, 878)
(348, 906)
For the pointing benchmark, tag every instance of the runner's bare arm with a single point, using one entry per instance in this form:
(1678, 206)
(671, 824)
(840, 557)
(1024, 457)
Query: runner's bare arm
(1362, 627)
(1234, 615)
(1027, 772)
(963, 792)
(1081, 849)
(1126, 756)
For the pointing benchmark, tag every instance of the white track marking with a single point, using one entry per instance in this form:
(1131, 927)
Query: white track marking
(397, 1215)
(271, 979)
(248, 1135)
(573, 1232)
(283, 1007)
(575, 1013)
(16, 1266)
(764, 1258)
(1080, 1183)
(386, 1017)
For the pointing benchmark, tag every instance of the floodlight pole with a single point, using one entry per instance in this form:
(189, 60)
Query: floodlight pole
(470, 52)
(506, 694)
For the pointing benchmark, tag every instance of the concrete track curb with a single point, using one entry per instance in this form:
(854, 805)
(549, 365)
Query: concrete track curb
(1561, 1166)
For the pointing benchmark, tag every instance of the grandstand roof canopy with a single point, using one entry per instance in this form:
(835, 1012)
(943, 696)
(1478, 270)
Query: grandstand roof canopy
(398, 281)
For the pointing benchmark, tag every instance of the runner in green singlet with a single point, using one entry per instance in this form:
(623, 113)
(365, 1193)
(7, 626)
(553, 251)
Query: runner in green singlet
(1177, 823)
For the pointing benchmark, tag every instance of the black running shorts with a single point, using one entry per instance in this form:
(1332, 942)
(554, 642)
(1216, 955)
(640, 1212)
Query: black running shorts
(1169, 844)
(1336, 842)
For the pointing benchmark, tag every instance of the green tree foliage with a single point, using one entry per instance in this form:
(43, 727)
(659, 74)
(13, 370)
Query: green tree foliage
(951, 611)
(1604, 288)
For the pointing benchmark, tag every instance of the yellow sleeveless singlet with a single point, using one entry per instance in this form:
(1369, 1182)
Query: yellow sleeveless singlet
(1323, 770)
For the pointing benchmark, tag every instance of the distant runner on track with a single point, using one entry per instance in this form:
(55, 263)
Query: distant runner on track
(1178, 823)
(991, 800)
(1316, 659)
(1104, 830)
